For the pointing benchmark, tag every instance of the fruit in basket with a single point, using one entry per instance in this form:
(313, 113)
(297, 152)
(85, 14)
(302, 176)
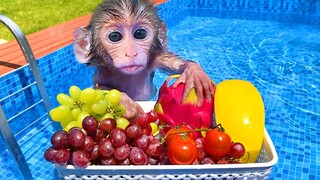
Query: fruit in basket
(142, 141)
(90, 125)
(70, 125)
(108, 124)
(146, 118)
(182, 150)
(81, 158)
(217, 144)
(202, 154)
(50, 153)
(133, 145)
(181, 130)
(100, 104)
(106, 148)
(62, 156)
(172, 111)
(76, 137)
(133, 130)
(155, 148)
(88, 95)
(122, 122)
(99, 135)
(88, 145)
(74, 92)
(138, 157)
(93, 137)
(64, 99)
(122, 152)
(60, 139)
(239, 107)
(60, 113)
(75, 112)
(215, 147)
(81, 117)
(106, 143)
(154, 128)
(118, 137)
(98, 108)
(236, 151)
(113, 96)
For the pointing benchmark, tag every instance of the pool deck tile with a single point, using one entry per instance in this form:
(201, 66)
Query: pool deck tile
(42, 43)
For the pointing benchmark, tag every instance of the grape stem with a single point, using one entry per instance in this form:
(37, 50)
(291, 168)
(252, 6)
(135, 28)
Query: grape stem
(79, 104)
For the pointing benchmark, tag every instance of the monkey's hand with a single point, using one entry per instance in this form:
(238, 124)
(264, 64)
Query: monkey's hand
(133, 109)
(194, 77)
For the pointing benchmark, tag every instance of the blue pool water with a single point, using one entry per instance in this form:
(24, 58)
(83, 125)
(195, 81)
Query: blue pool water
(279, 53)
(283, 61)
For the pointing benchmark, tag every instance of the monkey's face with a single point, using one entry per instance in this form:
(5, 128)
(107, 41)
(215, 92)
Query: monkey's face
(128, 45)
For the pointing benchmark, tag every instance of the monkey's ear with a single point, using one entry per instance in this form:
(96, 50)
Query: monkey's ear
(82, 44)
(163, 35)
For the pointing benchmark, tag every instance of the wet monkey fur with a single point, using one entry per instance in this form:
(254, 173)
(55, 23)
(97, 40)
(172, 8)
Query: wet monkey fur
(126, 42)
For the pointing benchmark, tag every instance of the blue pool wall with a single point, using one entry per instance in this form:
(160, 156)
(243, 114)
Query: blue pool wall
(58, 65)
(274, 6)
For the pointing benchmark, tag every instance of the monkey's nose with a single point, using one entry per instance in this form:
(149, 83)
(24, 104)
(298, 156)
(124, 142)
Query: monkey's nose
(130, 48)
(131, 54)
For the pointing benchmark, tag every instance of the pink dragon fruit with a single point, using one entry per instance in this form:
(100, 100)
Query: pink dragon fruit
(171, 111)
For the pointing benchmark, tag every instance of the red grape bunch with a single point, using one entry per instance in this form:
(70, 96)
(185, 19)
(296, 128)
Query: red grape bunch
(106, 142)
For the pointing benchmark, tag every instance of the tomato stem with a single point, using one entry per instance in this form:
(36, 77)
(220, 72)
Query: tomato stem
(184, 133)
(219, 127)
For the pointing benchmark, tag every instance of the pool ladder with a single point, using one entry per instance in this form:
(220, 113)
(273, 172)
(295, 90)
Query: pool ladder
(6, 132)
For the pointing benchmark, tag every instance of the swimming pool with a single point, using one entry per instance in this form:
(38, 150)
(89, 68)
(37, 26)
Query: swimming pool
(273, 44)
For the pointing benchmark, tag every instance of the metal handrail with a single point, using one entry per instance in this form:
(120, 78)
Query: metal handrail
(28, 54)
(6, 132)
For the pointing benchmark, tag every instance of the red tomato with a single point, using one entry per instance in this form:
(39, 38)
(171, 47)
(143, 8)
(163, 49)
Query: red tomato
(177, 132)
(217, 144)
(182, 150)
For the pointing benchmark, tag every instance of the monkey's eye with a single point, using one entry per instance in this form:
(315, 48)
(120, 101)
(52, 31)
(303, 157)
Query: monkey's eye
(140, 34)
(115, 36)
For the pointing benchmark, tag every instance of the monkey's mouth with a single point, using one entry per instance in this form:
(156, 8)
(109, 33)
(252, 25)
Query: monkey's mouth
(131, 68)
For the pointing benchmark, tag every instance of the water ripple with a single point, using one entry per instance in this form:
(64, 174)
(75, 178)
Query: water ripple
(281, 59)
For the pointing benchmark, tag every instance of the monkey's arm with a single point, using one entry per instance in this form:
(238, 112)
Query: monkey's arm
(170, 63)
(191, 72)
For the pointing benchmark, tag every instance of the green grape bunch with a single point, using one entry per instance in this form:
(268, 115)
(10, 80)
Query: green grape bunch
(79, 104)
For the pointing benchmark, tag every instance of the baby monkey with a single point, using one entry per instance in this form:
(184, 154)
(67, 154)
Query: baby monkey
(126, 42)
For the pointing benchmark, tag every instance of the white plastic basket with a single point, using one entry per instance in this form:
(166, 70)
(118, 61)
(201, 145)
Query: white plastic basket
(258, 170)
